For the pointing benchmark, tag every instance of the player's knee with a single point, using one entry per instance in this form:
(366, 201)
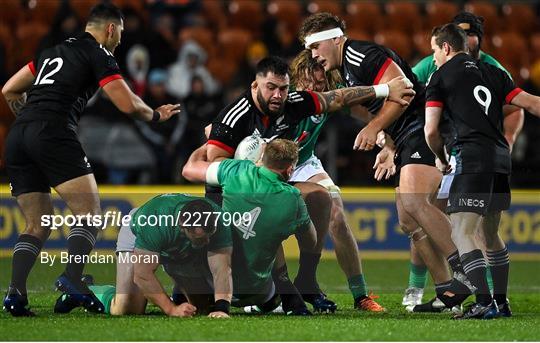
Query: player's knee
(318, 197)
(417, 235)
(407, 224)
(415, 205)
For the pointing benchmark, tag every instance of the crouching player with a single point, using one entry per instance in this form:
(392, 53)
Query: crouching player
(276, 211)
(191, 252)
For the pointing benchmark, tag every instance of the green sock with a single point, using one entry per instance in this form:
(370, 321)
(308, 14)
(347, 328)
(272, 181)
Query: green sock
(105, 294)
(357, 285)
(489, 278)
(417, 276)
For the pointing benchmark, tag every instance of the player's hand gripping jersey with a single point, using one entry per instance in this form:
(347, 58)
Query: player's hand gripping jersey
(364, 64)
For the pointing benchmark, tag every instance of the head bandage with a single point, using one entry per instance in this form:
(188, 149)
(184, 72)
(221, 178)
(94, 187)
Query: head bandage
(323, 35)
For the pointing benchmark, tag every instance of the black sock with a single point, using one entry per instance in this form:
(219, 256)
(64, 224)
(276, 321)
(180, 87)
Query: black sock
(290, 297)
(440, 288)
(24, 256)
(455, 262)
(306, 279)
(474, 265)
(81, 241)
(500, 266)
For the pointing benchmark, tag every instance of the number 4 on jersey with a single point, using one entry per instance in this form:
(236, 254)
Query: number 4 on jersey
(46, 79)
(247, 224)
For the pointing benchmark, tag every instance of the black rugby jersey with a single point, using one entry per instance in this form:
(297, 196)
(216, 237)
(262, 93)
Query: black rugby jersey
(67, 76)
(242, 118)
(473, 94)
(364, 64)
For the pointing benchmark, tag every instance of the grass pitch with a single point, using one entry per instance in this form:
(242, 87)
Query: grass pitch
(387, 278)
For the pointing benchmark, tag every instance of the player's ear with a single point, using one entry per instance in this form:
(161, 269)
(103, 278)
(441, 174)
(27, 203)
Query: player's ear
(254, 84)
(110, 30)
(446, 48)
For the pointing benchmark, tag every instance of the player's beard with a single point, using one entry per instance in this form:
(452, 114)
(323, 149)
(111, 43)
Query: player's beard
(266, 108)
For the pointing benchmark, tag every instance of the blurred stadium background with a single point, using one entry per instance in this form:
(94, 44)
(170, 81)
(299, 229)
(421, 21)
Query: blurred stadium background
(202, 53)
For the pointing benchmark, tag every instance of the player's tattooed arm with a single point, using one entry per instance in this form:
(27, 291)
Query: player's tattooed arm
(16, 105)
(337, 99)
(395, 90)
(14, 91)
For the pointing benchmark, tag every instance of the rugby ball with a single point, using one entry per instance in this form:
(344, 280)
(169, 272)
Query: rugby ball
(250, 148)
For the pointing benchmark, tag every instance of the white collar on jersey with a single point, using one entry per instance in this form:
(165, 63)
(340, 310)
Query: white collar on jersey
(323, 35)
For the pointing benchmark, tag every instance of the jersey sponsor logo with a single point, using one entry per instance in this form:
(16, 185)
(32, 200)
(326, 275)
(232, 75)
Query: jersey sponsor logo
(248, 223)
(471, 202)
(470, 64)
(416, 155)
(294, 97)
(354, 57)
(236, 112)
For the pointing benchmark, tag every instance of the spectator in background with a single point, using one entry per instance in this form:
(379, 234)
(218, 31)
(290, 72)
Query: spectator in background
(3, 64)
(256, 51)
(201, 109)
(66, 24)
(162, 42)
(280, 39)
(526, 152)
(191, 62)
(138, 62)
(163, 139)
(134, 33)
(184, 12)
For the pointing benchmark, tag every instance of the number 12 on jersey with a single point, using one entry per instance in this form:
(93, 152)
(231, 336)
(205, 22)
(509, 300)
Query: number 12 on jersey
(46, 80)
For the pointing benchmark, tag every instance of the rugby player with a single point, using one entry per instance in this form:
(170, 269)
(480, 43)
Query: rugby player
(513, 122)
(275, 211)
(365, 63)
(473, 94)
(189, 238)
(42, 150)
(307, 74)
(270, 110)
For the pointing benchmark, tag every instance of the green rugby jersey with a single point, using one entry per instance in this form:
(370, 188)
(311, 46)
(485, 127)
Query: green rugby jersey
(426, 67)
(276, 211)
(167, 239)
(306, 133)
